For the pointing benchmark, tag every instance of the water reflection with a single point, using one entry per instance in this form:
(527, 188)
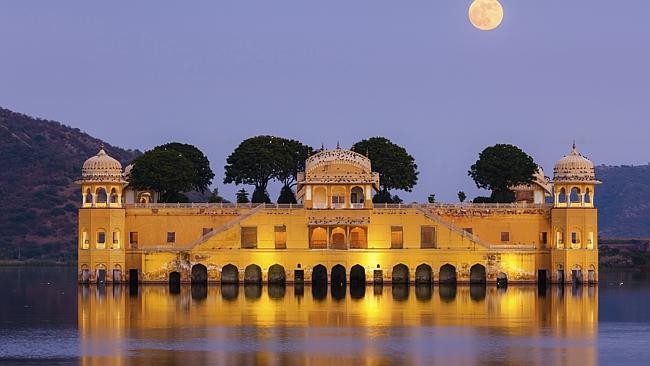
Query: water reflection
(378, 324)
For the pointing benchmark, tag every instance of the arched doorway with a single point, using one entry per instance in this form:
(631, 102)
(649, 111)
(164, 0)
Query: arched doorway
(85, 274)
(357, 276)
(477, 274)
(560, 273)
(174, 282)
(423, 274)
(591, 274)
(337, 239)
(358, 238)
(318, 238)
(100, 274)
(319, 275)
(199, 274)
(253, 274)
(356, 197)
(277, 274)
(401, 274)
(117, 274)
(338, 197)
(229, 274)
(447, 274)
(502, 280)
(576, 275)
(100, 195)
(338, 276)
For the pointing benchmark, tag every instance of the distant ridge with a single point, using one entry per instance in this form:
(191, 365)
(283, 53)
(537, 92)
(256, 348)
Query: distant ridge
(39, 160)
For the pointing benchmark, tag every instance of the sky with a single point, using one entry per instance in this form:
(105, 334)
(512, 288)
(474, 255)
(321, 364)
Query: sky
(211, 73)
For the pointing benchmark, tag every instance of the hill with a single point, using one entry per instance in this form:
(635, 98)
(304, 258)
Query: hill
(39, 161)
(623, 201)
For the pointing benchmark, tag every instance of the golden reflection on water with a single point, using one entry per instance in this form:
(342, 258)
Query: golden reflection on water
(370, 326)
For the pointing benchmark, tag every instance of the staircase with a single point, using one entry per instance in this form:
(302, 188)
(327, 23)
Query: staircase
(471, 237)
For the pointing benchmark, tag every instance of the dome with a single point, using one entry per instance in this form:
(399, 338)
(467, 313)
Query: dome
(101, 168)
(338, 156)
(574, 168)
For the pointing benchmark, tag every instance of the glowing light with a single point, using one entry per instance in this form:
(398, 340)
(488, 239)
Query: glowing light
(485, 14)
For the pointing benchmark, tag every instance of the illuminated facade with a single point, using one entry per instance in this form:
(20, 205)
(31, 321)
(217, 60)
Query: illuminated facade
(337, 234)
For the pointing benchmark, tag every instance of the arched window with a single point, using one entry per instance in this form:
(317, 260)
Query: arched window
(144, 197)
(318, 238)
(576, 238)
(88, 197)
(320, 197)
(561, 198)
(590, 240)
(559, 238)
(101, 195)
(113, 196)
(356, 197)
(337, 241)
(85, 240)
(338, 197)
(575, 195)
(116, 239)
(588, 195)
(358, 238)
(101, 239)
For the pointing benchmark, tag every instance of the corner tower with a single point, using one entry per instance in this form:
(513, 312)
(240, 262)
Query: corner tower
(574, 220)
(101, 220)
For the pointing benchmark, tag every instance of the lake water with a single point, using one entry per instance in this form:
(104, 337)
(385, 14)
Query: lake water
(45, 318)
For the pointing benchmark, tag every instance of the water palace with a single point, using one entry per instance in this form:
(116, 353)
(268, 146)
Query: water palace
(336, 234)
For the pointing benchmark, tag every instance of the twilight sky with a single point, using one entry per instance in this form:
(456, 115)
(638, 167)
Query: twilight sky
(211, 73)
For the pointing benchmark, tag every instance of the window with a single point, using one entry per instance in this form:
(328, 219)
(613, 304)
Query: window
(249, 237)
(575, 237)
(206, 231)
(171, 237)
(85, 242)
(559, 238)
(427, 237)
(543, 237)
(116, 240)
(505, 236)
(133, 238)
(281, 237)
(590, 240)
(101, 240)
(396, 237)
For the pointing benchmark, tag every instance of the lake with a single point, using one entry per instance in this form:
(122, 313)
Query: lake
(46, 318)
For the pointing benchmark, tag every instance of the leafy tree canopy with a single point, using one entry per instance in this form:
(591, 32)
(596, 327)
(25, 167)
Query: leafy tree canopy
(396, 168)
(260, 196)
(500, 167)
(165, 171)
(242, 196)
(462, 196)
(286, 195)
(203, 175)
(290, 159)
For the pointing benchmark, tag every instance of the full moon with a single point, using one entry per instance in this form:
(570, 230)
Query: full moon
(485, 14)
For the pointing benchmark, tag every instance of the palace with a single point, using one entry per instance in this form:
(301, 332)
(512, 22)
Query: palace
(336, 234)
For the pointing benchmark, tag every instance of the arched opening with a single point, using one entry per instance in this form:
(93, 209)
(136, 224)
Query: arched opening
(101, 196)
(576, 238)
(337, 240)
(423, 274)
(338, 276)
(448, 274)
(277, 274)
(561, 198)
(400, 274)
(113, 197)
(576, 275)
(356, 197)
(477, 274)
(117, 273)
(100, 273)
(574, 197)
(591, 274)
(174, 282)
(319, 275)
(502, 280)
(144, 197)
(229, 274)
(85, 274)
(88, 197)
(357, 276)
(199, 274)
(101, 239)
(318, 238)
(253, 274)
(116, 239)
(320, 197)
(85, 239)
(338, 197)
(560, 273)
(358, 238)
(588, 195)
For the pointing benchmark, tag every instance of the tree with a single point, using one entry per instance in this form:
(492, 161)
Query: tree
(396, 167)
(260, 196)
(286, 195)
(216, 198)
(165, 171)
(202, 173)
(500, 167)
(462, 196)
(431, 198)
(242, 196)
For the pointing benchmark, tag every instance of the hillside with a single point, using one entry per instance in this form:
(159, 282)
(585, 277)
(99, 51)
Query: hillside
(623, 201)
(39, 161)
